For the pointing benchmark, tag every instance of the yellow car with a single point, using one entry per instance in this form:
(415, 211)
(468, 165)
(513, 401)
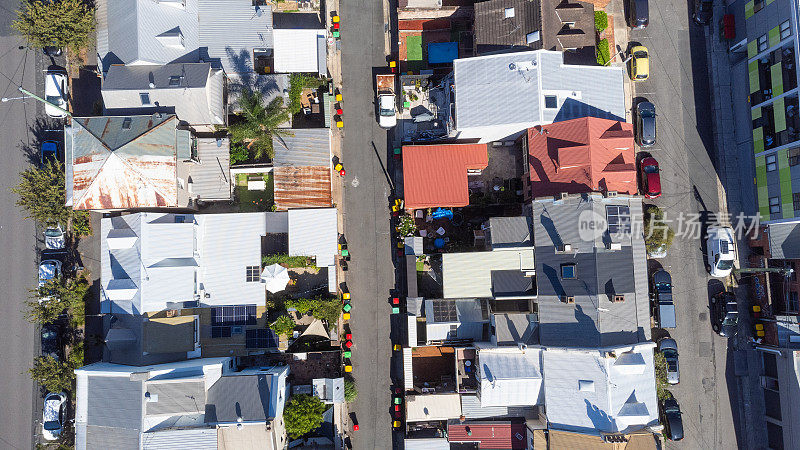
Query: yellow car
(640, 63)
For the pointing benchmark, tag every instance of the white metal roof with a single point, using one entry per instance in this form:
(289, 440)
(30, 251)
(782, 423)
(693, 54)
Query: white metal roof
(470, 274)
(298, 50)
(314, 232)
(510, 377)
(433, 407)
(592, 390)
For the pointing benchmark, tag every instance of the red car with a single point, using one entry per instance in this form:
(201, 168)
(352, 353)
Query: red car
(651, 180)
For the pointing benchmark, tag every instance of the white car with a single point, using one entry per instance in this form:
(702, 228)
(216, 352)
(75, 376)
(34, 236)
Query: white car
(53, 415)
(388, 116)
(721, 251)
(54, 237)
(48, 269)
(55, 92)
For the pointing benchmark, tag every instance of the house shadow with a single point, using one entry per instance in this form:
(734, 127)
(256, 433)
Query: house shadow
(599, 418)
(574, 109)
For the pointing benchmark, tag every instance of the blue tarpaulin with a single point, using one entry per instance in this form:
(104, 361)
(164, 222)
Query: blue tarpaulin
(442, 53)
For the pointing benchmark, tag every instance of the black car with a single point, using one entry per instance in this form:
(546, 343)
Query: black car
(724, 314)
(51, 341)
(645, 124)
(665, 308)
(671, 418)
(703, 10)
(638, 13)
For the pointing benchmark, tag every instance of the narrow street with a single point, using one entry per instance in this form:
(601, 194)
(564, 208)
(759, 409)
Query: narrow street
(366, 227)
(708, 393)
(20, 401)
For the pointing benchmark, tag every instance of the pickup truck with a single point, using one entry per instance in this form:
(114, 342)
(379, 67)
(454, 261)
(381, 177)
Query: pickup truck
(387, 110)
(665, 307)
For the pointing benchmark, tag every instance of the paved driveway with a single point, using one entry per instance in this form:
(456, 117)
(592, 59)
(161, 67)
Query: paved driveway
(678, 86)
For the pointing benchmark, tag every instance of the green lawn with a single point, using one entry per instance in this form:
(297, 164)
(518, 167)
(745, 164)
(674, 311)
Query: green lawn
(252, 201)
(414, 48)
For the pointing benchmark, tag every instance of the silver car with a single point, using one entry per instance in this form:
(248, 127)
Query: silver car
(645, 124)
(669, 348)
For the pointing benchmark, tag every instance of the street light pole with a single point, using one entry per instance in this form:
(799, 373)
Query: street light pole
(36, 97)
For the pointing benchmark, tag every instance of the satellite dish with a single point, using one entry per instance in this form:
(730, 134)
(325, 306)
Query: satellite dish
(512, 66)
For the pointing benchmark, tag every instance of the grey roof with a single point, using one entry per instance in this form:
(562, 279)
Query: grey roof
(512, 283)
(196, 94)
(496, 32)
(182, 396)
(784, 240)
(191, 438)
(230, 30)
(303, 147)
(211, 179)
(246, 396)
(513, 329)
(329, 390)
(509, 232)
(788, 329)
(114, 412)
(593, 320)
(471, 274)
(471, 408)
(314, 232)
(127, 342)
(500, 95)
(168, 31)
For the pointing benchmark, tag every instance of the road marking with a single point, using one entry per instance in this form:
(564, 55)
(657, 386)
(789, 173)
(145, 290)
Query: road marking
(355, 182)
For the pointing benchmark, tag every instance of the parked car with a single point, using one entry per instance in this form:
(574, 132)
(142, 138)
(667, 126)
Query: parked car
(671, 418)
(645, 124)
(48, 269)
(638, 13)
(669, 348)
(662, 290)
(49, 152)
(55, 92)
(51, 341)
(54, 237)
(54, 414)
(721, 251)
(640, 63)
(650, 177)
(703, 11)
(724, 313)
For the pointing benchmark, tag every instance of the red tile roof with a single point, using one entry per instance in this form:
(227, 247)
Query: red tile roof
(582, 155)
(489, 435)
(436, 175)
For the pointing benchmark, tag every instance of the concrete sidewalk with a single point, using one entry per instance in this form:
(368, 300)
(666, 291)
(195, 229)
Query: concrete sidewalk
(735, 167)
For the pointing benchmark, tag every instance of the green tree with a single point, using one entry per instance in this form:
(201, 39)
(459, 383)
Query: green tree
(661, 376)
(51, 374)
(302, 415)
(56, 296)
(600, 20)
(259, 123)
(658, 235)
(41, 192)
(321, 308)
(283, 326)
(62, 23)
(350, 391)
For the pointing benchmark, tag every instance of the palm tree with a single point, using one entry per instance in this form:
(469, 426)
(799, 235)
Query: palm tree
(259, 123)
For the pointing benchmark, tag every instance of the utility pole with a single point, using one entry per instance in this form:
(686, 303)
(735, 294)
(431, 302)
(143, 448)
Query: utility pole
(785, 271)
(36, 97)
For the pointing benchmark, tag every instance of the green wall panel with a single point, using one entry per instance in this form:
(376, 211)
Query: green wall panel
(776, 73)
(758, 140)
(774, 36)
(779, 113)
(787, 206)
(761, 188)
(755, 84)
(748, 9)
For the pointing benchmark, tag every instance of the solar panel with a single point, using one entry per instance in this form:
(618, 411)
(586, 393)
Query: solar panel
(260, 338)
(233, 315)
(619, 219)
(220, 331)
(444, 311)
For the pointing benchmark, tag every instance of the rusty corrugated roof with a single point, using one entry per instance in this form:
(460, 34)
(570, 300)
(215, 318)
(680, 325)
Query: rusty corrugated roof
(302, 187)
(119, 164)
(436, 175)
(489, 435)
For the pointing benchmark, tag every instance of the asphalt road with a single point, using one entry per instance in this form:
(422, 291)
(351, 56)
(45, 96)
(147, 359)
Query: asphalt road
(17, 242)
(678, 86)
(367, 226)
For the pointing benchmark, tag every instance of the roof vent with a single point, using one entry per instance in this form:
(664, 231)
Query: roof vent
(532, 37)
(586, 385)
(619, 298)
(565, 248)
(509, 13)
(611, 194)
(562, 196)
(568, 299)
(614, 246)
(151, 398)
